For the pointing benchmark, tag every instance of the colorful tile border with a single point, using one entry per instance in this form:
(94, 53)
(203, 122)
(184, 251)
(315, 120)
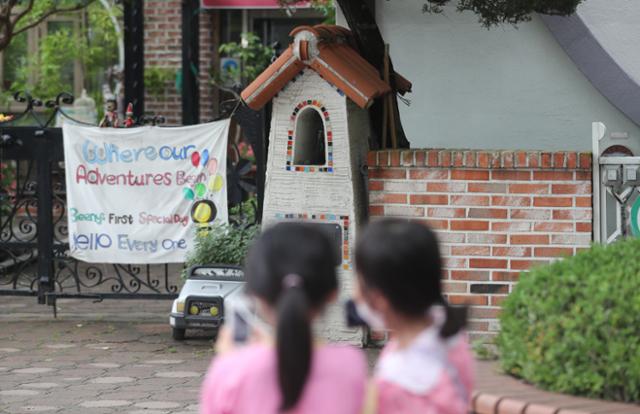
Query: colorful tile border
(331, 218)
(290, 166)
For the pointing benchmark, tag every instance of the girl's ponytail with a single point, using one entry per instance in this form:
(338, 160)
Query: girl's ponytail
(291, 267)
(455, 320)
(293, 341)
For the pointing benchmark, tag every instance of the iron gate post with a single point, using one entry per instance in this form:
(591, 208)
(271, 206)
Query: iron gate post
(44, 194)
(134, 56)
(190, 62)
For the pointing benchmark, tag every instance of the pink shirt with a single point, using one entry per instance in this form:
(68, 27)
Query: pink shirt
(245, 382)
(432, 376)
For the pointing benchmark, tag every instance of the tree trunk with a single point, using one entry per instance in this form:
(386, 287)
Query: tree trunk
(367, 35)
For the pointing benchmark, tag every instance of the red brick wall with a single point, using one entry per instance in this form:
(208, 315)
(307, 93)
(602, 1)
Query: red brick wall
(496, 214)
(163, 48)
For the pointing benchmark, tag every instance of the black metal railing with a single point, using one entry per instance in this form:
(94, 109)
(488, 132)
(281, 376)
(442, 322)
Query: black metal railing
(34, 258)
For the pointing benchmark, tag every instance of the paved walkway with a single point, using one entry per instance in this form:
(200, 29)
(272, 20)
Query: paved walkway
(113, 357)
(118, 357)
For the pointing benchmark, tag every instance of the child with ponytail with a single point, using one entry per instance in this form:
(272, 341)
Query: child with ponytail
(290, 273)
(427, 365)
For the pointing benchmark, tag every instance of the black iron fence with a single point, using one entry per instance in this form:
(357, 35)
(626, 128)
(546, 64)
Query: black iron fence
(34, 258)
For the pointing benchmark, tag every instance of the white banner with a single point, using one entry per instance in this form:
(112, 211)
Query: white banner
(138, 195)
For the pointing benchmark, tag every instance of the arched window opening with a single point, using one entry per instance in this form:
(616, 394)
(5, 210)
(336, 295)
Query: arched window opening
(310, 139)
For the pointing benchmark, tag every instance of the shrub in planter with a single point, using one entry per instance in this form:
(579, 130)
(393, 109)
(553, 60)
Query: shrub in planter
(222, 245)
(574, 326)
(226, 244)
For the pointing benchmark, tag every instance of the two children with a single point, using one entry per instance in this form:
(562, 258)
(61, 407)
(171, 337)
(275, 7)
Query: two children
(291, 275)
(425, 368)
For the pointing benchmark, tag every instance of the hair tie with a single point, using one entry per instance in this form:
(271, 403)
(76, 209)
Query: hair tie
(438, 314)
(291, 280)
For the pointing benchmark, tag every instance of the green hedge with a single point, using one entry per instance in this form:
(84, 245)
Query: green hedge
(574, 326)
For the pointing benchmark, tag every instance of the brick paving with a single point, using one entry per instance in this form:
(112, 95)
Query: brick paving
(118, 357)
(112, 357)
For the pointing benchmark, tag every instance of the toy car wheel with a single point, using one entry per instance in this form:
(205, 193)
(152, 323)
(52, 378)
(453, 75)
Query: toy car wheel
(178, 334)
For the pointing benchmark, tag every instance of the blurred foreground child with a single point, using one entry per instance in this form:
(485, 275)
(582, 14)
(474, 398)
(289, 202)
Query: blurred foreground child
(427, 366)
(291, 275)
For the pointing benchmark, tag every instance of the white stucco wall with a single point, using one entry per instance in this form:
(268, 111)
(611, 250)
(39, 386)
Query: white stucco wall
(615, 24)
(503, 88)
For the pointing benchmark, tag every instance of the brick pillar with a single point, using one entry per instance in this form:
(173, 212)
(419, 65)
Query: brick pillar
(163, 38)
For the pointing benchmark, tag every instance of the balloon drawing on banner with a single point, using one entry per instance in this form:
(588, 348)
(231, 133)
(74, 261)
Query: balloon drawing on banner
(212, 166)
(195, 159)
(201, 189)
(204, 157)
(203, 210)
(215, 183)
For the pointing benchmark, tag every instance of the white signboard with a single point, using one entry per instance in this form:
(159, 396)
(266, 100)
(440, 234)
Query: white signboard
(138, 195)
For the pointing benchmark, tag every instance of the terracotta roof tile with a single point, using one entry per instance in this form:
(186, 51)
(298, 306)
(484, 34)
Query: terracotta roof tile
(272, 80)
(346, 69)
(329, 51)
(323, 32)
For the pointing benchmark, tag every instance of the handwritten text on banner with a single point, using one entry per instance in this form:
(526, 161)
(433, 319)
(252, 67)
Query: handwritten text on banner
(138, 195)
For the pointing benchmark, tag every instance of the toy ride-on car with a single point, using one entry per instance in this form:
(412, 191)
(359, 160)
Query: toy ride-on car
(200, 304)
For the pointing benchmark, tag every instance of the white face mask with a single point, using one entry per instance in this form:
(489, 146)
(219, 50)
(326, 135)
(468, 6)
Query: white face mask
(373, 318)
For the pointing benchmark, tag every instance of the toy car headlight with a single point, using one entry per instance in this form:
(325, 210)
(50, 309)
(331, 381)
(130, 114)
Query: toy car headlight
(204, 307)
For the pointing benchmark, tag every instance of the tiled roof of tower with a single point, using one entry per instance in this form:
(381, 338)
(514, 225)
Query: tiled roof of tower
(329, 50)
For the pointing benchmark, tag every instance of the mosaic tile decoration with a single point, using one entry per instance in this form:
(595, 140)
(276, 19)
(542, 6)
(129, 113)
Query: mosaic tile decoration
(331, 218)
(328, 167)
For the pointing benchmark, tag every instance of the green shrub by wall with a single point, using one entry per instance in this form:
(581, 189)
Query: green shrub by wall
(574, 326)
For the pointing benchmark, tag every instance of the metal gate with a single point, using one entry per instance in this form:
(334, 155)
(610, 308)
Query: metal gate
(34, 258)
(616, 185)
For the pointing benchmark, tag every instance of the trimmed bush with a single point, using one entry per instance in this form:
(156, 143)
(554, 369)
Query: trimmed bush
(222, 245)
(574, 326)
(226, 244)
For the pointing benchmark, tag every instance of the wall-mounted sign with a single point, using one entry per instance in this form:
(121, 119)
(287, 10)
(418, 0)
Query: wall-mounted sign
(246, 4)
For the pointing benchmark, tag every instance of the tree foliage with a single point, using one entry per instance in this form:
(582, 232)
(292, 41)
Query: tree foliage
(18, 16)
(254, 57)
(327, 8)
(495, 12)
(50, 70)
(490, 12)
(157, 79)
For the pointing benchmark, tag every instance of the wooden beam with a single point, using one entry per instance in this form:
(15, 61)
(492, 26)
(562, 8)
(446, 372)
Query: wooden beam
(366, 32)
